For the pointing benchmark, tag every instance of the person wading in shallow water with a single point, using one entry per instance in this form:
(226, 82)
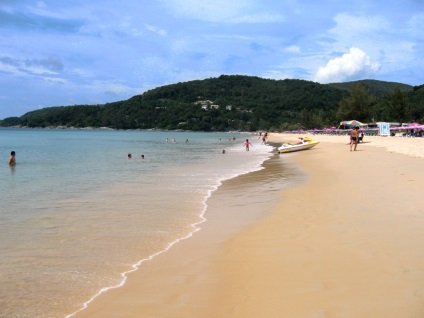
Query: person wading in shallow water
(354, 138)
(12, 159)
(247, 144)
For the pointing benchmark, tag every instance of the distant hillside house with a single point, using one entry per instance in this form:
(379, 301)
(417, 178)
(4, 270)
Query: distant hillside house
(205, 104)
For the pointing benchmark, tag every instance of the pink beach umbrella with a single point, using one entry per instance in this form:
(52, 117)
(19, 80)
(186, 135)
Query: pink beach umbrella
(414, 126)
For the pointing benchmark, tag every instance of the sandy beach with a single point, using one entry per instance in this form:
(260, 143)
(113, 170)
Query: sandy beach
(345, 241)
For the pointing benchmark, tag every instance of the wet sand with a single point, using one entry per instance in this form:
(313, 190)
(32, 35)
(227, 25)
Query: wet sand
(183, 281)
(344, 242)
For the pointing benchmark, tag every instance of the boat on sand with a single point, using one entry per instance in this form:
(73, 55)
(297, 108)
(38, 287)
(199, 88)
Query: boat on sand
(304, 144)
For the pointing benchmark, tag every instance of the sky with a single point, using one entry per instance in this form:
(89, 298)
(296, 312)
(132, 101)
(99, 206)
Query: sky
(73, 52)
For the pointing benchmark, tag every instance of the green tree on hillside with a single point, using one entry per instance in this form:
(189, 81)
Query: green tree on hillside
(398, 109)
(357, 105)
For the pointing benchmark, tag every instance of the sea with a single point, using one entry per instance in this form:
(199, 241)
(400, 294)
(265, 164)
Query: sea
(77, 215)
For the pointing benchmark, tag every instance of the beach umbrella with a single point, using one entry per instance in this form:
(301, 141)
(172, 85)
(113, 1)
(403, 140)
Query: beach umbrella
(352, 123)
(414, 126)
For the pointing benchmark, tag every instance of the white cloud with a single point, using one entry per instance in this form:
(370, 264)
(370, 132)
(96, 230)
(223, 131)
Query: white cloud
(156, 30)
(351, 65)
(11, 69)
(348, 24)
(276, 75)
(257, 18)
(242, 11)
(55, 80)
(293, 49)
(40, 70)
(370, 32)
(416, 25)
(113, 88)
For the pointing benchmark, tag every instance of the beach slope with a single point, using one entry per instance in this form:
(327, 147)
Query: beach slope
(347, 242)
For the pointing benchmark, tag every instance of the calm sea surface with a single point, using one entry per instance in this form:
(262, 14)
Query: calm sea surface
(76, 213)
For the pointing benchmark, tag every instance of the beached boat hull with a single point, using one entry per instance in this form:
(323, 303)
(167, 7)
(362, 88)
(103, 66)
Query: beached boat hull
(292, 148)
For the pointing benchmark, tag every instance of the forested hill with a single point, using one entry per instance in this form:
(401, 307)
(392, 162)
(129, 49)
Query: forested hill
(374, 87)
(229, 102)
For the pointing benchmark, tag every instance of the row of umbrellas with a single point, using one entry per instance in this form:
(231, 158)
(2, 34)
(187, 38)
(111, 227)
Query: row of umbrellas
(359, 124)
(409, 127)
(354, 123)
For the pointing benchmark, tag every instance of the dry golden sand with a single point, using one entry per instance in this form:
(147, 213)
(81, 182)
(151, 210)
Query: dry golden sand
(346, 243)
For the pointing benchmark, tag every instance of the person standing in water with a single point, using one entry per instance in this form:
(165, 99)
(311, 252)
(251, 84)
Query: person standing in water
(247, 144)
(12, 159)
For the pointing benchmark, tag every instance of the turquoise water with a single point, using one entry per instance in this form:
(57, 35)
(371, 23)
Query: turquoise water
(76, 213)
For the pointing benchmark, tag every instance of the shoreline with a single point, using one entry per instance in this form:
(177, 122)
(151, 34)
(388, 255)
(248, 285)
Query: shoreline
(272, 265)
(345, 244)
(195, 227)
(236, 221)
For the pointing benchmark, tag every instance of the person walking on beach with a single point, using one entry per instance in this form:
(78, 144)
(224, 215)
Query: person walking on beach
(354, 138)
(247, 144)
(12, 159)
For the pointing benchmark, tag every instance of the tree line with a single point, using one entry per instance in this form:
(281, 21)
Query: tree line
(235, 102)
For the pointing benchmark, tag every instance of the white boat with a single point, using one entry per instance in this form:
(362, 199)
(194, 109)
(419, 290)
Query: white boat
(303, 146)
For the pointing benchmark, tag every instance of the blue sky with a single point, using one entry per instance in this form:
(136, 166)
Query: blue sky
(56, 53)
